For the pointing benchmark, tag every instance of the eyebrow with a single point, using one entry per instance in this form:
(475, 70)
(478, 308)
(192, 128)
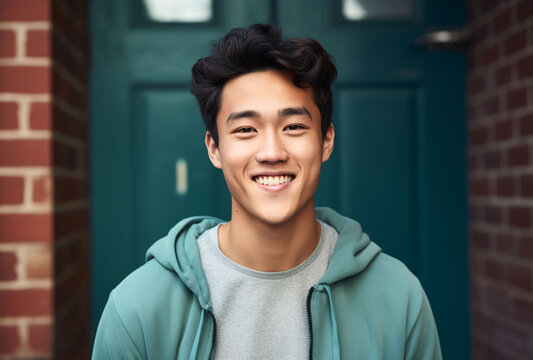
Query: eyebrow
(290, 111)
(242, 114)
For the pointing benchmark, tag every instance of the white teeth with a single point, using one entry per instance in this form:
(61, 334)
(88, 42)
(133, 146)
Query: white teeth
(273, 180)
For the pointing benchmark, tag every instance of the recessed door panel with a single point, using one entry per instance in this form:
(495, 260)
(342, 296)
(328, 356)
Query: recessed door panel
(175, 178)
(377, 142)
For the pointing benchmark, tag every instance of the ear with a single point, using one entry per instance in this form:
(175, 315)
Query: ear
(327, 143)
(212, 150)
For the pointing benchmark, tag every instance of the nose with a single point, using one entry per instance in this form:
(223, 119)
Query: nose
(272, 149)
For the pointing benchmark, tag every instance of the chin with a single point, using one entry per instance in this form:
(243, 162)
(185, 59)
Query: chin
(276, 215)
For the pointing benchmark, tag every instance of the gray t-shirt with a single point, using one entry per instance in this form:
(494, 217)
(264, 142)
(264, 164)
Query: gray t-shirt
(262, 315)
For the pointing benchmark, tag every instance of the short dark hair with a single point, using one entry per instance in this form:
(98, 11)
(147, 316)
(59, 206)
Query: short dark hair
(256, 48)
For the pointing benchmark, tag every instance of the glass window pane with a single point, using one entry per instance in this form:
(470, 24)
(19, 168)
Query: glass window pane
(356, 10)
(179, 10)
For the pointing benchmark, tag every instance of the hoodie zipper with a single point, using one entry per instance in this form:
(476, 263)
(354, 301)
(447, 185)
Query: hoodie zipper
(214, 342)
(310, 321)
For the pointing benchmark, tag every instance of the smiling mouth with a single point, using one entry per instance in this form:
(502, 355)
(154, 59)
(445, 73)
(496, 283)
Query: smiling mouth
(273, 180)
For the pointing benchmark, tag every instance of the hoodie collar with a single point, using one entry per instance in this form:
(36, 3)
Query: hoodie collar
(178, 251)
(353, 251)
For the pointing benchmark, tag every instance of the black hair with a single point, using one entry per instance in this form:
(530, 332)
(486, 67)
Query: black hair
(256, 48)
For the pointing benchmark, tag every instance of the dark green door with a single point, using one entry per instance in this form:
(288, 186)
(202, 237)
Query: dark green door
(399, 161)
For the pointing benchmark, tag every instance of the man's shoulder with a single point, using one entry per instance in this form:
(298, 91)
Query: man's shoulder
(143, 292)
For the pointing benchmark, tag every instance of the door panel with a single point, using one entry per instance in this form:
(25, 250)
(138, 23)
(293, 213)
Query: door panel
(170, 142)
(376, 140)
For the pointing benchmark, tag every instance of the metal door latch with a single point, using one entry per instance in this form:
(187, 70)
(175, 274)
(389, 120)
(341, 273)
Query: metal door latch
(444, 38)
(181, 177)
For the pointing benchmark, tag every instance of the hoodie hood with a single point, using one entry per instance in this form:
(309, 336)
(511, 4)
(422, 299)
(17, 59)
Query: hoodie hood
(178, 251)
(353, 251)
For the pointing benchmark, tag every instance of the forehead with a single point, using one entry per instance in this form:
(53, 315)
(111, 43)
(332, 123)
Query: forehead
(264, 88)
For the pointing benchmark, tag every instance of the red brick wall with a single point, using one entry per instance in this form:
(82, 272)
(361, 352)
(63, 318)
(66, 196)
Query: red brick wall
(500, 108)
(43, 179)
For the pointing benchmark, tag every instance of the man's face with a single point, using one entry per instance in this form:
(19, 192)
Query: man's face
(270, 145)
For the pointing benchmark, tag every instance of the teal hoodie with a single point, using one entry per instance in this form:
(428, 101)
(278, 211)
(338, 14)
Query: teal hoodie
(367, 305)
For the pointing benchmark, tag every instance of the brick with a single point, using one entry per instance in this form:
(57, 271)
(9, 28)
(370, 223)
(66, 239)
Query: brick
(75, 31)
(516, 98)
(490, 54)
(491, 106)
(492, 159)
(8, 116)
(25, 153)
(518, 156)
(524, 10)
(71, 286)
(473, 111)
(493, 214)
(474, 161)
(10, 339)
(523, 311)
(525, 67)
(8, 262)
(476, 213)
(42, 189)
(64, 89)
(38, 43)
(507, 244)
(480, 240)
(477, 267)
(11, 190)
(520, 277)
(515, 42)
(40, 116)
(38, 263)
(24, 10)
(67, 125)
(41, 338)
(503, 75)
(477, 85)
(526, 185)
(495, 270)
(26, 227)
(68, 189)
(65, 156)
(502, 22)
(479, 32)
(497, 301)
(69, 222)
(25, 79)
(505, 186)
(526, 247)
(526, 125)
(70, 61)
(520, 216)
(26, 302)
(503, 130)
(479, 135)
(479, 187)
(487, 5)
(7, 44)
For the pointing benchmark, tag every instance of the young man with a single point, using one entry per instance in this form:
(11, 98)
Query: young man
(281, 279)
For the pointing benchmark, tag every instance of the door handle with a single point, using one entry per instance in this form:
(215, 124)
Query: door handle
(444, 38)
(182, 178)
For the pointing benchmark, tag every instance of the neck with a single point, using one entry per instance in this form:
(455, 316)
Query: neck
(267, 247)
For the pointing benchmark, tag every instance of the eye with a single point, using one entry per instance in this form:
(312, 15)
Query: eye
(244, 130)
(295, 127)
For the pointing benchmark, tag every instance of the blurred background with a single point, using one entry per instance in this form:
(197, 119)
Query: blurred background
(101, 152)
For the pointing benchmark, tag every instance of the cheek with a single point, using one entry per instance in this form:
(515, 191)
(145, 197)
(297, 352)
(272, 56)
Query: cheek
(234, 157)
